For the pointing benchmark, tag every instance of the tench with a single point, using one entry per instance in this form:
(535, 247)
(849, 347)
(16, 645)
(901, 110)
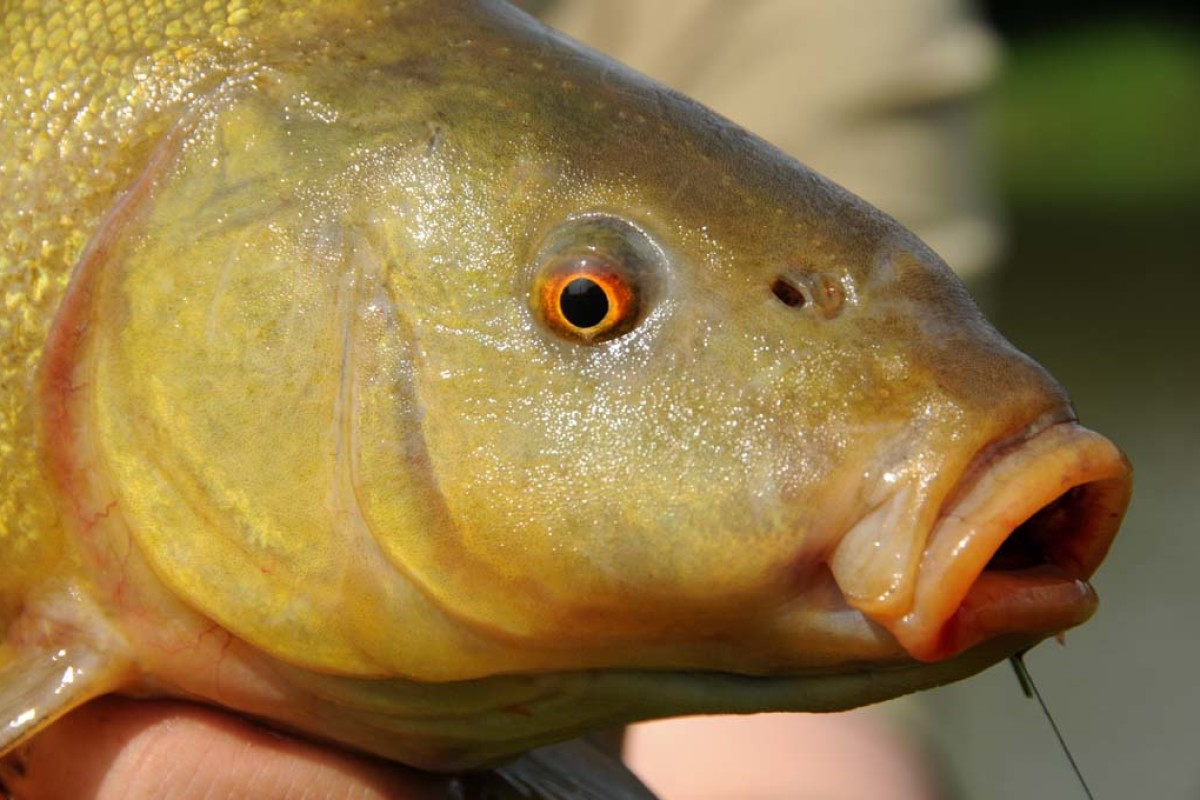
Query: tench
(405, 375)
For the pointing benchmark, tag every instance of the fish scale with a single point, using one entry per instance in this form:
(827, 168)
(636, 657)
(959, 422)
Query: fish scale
(86, 88)
(86, 91)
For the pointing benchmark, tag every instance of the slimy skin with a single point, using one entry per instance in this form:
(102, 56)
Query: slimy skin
(302, 426)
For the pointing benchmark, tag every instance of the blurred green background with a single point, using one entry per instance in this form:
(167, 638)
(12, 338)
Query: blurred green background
(1095, 134)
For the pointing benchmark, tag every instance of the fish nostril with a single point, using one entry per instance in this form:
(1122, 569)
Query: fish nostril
(803, 288)
(788, 293)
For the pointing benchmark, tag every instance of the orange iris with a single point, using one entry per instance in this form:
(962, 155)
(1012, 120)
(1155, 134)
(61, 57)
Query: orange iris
(587, 299)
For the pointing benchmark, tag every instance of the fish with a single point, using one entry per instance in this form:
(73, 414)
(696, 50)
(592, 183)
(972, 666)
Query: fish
(407, 376)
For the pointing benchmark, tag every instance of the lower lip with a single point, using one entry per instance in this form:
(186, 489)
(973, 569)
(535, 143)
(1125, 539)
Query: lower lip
(1040, 601)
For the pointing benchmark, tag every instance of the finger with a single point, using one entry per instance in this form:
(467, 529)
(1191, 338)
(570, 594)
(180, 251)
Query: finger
(120, 749)
(856, 755)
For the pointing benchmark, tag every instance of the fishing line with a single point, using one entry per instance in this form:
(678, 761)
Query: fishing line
(1030, 690)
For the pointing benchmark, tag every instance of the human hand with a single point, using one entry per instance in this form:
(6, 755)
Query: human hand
(120, 749)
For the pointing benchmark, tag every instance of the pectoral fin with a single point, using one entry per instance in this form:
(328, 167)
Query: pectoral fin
(46, 672)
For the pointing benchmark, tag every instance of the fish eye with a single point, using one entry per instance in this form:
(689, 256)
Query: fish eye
(587, 299)
(596, 278)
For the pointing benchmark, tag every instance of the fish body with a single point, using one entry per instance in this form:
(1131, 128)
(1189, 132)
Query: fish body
(408, 376)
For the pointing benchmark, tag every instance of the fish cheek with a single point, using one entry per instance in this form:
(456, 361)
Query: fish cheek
(593, 481)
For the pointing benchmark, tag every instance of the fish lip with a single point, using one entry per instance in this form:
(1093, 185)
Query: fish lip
(1079, 478)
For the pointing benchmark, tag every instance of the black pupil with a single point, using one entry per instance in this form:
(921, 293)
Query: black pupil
(584, 304)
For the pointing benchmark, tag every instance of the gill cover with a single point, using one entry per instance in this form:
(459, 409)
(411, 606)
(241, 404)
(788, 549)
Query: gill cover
(226, 372)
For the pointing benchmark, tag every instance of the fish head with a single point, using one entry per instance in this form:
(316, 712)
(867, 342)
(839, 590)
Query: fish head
(688, 404)
(480, 360)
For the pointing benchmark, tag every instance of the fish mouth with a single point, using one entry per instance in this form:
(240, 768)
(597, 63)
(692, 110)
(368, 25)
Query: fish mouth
(1016, 541)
